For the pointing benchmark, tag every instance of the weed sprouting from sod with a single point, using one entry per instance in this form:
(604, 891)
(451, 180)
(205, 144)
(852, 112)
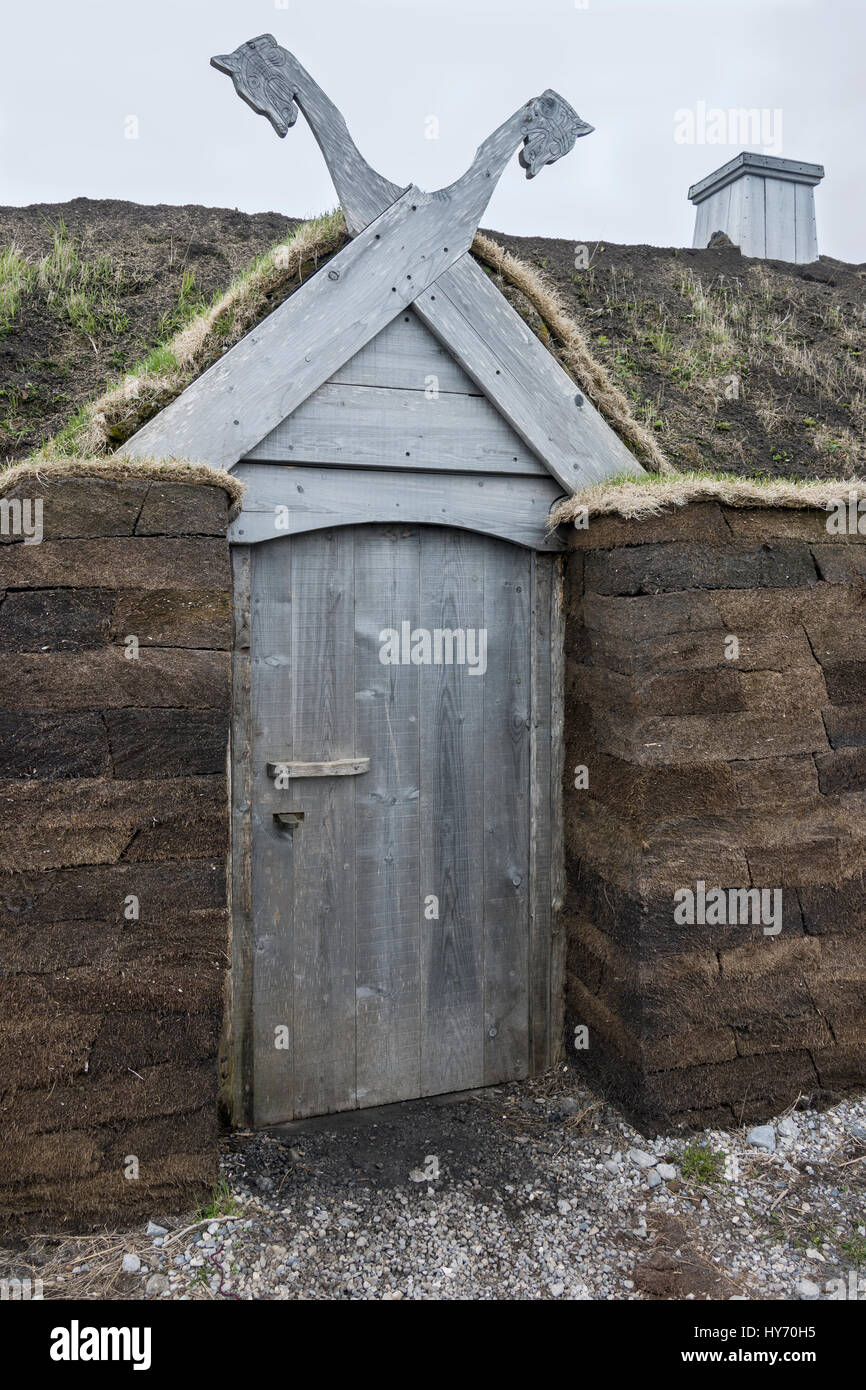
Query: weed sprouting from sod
(702, 1164)
(82, 292)
(222, 1203)
(16, 275)
(854, 1248)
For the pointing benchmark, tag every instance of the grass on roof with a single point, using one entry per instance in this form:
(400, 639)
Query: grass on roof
(195, 333)
(82, 291)
(751, 365)
(198, 335)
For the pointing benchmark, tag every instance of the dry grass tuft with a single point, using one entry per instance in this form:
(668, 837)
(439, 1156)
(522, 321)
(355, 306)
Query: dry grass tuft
(635, 500)
(90, 1266)
(166, 470)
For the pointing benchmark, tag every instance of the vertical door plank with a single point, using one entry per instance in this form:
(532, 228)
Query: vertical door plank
(539, 823)
(382, 1001)
(236, 1053)
(323, 640)
(272, 860)
(507, 689)
(452, 809)
(388, 925)
(557, 792)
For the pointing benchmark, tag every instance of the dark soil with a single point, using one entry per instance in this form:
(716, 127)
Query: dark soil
(794, 335)
(481, 1140)
(672, 325)
(48, 368)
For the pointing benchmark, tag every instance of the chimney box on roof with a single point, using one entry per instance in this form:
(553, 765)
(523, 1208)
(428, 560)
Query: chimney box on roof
(765, 205)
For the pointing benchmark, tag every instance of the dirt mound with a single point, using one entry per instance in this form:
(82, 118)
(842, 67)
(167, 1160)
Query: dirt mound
(95, 286)
(744, 366)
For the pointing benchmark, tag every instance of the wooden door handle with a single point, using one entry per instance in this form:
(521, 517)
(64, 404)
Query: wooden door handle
(341, 767)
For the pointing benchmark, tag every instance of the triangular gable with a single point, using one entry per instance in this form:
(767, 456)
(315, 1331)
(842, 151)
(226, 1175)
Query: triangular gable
(394, 263)
(401, 402)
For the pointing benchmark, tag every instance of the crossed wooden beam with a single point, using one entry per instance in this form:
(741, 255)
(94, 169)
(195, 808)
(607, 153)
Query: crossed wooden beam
(408, 248)
(272, 81)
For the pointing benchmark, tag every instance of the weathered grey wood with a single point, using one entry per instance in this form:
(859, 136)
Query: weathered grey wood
(546, 128)
(392, 427)
(557, 841)
(387, 828)
(763, 165)
(452, 810)
(255, 385)
(324, 912)
(753, 224)
(237, 1050)
(507, 716)
(806, 233)
(270, 922)
(270, 80)
(780, 219)
(339, 767)
(521, 377)
(513, 508)
(765, 204)
(526, 385)
(539, 822)
(735, 203)
(406, 354)
(385, 996)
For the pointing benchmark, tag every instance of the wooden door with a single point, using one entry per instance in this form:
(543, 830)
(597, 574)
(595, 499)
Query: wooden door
(397, 933)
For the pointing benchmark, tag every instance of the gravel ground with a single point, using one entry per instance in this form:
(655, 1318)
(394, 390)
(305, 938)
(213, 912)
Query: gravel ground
(528, 1191)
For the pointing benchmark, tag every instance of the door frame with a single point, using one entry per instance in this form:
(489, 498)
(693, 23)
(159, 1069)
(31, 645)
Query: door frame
(546, 872)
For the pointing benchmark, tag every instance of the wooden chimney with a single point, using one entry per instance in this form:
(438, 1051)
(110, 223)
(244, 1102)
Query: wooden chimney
(766, 205)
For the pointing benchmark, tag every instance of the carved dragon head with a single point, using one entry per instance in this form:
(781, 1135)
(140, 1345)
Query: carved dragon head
(261, 70)
(552, 128)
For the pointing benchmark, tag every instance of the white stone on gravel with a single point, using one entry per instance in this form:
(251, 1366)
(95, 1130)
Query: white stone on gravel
(762, 1137)
(130, 1263)
(156, 1284)
(571, 1208)
(428, 1173)
(154, 1230)
(642, 1158)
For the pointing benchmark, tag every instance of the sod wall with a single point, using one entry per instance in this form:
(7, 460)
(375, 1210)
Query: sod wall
(716, 698)
(115, 632)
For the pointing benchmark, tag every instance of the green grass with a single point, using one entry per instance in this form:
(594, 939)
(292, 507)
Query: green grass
(222, 1203)
(159, 360)
(84, 293)
(16, 276)
(701, 1164)
(854, 1248)
(190, 302)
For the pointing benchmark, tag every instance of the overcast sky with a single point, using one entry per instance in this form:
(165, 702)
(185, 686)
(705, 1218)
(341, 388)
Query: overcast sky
(76, 71)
